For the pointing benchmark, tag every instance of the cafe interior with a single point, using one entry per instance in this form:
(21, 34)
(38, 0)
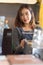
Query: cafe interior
(8, 12)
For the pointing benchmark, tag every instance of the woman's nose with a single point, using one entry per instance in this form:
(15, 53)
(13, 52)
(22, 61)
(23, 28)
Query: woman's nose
(25, 16)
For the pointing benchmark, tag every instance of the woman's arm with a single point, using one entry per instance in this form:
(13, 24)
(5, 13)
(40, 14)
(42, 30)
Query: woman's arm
(16, 46)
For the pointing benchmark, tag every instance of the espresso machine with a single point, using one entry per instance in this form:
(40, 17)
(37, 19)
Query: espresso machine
(37, 43)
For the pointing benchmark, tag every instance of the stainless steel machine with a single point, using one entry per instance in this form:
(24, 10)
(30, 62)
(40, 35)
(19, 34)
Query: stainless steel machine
(37, 43)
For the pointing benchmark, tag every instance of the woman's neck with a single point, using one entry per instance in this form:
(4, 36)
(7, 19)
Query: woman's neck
(27, 27)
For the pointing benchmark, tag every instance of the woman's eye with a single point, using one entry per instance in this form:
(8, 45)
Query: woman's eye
(26, 13)
(22, 14)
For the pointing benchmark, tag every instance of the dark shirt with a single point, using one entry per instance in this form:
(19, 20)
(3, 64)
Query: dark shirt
(18, 35)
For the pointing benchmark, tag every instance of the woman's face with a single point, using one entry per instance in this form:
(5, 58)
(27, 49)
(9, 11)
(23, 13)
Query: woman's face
(25, 16)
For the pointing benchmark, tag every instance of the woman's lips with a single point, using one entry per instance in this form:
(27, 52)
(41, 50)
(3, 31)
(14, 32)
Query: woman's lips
(25, 20)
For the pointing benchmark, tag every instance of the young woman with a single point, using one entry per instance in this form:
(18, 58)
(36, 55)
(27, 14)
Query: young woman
(24, 26)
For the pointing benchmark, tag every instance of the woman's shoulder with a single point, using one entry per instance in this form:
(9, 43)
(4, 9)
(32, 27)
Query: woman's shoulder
(14, 29)
(17, 29)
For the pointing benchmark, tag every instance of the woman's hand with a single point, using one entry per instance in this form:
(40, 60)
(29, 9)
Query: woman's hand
(22, 43)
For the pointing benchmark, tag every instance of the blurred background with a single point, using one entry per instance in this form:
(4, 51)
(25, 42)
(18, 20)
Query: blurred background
(9, 12)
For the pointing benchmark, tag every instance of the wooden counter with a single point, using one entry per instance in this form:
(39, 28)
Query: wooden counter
(23, 59)
(3, 60)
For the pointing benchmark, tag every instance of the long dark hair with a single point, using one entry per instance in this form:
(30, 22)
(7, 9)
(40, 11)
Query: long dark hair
(18, 21)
